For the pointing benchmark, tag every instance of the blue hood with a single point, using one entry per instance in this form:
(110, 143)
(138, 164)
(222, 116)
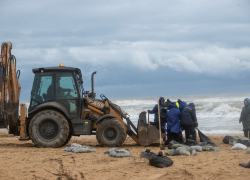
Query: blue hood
(182, 104)
(247, 100)
(160, 100)
(172, 105)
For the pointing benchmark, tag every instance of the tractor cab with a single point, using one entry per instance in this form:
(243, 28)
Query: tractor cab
(59, 111)
(57, 86)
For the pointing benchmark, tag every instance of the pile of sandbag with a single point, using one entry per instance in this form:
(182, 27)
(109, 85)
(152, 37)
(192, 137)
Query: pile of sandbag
(77, 148)
(236, 139)
(200, 146)
(191, 147)
(157, 160)
(238, 142)
(239, 146)
(115, 152)
(182, 150)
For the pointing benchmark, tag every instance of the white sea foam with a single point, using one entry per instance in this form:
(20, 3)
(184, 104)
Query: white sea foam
(220, 99)
(221, 110)
(216, 114)
(220, 132)
(134, 102)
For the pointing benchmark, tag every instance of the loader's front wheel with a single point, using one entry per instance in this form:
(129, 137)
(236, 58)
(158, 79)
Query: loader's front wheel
(111, 133)
(49, 128)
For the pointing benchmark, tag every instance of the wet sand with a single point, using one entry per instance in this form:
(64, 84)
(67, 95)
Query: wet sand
(22, 160)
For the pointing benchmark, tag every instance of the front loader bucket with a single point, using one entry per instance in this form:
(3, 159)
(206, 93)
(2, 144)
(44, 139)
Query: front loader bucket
(143, 129)
(147, 133)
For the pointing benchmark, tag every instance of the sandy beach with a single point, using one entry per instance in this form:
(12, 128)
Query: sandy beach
(21, 160)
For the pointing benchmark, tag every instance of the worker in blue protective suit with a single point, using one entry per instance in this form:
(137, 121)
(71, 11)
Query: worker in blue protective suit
(174, 125)
(155, 111)
(182, 105)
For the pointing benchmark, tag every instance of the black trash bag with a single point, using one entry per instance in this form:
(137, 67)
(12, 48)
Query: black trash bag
(203, 137)
(160, 161)
(245, 165)
(171, 144)
(245, 142)
(227, 139)
(248, 144)
(148, 155)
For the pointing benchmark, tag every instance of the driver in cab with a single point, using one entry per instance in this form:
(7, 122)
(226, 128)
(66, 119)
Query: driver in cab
(60, 92)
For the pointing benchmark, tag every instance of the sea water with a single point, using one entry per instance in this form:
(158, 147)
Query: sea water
(216, 114)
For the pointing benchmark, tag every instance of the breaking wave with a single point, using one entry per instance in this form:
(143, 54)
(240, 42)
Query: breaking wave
(134, 102)
(222, 109)
(216, 114)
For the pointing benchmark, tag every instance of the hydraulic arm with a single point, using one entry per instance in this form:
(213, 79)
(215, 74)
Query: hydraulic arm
(10, 89)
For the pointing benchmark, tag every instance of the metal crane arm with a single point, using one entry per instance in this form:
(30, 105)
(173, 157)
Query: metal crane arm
(10, 89)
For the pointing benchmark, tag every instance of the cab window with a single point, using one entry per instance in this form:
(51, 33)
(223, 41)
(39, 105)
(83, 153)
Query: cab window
(65, 86)
(66, 91)
(42, 89)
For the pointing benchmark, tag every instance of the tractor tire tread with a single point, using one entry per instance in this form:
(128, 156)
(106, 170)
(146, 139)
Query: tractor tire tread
(62, 136)
(121, 133)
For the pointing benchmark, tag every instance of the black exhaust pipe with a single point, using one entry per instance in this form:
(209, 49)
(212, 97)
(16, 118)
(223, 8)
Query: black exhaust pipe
(92, 84)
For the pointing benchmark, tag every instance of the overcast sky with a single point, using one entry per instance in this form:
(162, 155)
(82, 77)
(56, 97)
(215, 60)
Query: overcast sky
(138, 48)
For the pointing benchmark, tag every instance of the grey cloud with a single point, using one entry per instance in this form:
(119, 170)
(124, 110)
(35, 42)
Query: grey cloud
(210, 59)
(180, 63)
(138, 20)
(132, 42)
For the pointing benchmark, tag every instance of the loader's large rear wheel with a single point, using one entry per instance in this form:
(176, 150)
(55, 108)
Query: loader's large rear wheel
(49, 129)
(111, 133)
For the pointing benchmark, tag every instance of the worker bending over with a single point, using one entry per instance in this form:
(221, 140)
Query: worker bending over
(189, 121)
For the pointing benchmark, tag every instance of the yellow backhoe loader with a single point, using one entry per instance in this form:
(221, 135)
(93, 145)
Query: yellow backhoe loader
(60, 108)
